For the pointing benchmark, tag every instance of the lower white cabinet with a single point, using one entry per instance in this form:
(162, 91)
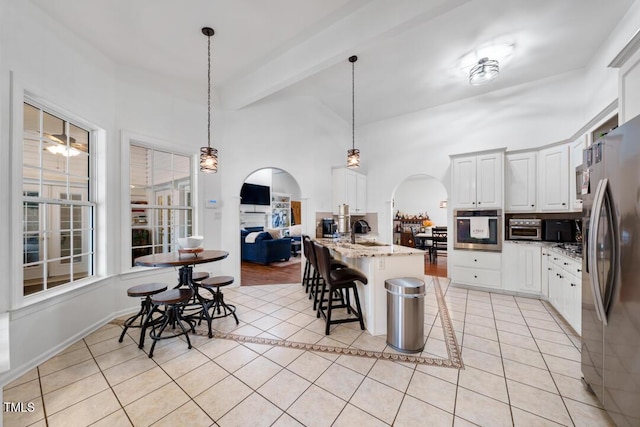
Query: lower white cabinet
(522, 268)
(565, 288)
(477, 268)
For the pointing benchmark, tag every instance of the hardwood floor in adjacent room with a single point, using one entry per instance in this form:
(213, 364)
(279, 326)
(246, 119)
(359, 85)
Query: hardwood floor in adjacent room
(437, 268)
(257, 274)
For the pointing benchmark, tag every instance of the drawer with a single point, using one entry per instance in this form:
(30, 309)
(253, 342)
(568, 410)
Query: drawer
(477, 277)
(476, 259)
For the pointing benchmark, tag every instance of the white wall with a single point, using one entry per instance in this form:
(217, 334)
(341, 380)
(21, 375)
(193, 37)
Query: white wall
(525, 116)
(422, 194)
(602, 82)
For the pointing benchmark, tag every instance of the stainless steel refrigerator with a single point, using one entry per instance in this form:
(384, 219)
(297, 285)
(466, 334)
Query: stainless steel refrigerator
(609, 184)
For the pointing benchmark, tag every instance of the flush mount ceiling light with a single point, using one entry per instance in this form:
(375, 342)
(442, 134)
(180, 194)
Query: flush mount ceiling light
(208, 155)
(353, 154)
(484, 71)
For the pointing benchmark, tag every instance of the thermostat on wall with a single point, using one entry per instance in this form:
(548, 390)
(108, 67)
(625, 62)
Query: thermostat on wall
(213, 203)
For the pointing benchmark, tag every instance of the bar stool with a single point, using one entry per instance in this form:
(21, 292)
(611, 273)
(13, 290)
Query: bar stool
(173, 300)
(199, 276)
(339, 279)
(217, 303)
(308, 274)
(144, 292)
(317, 280)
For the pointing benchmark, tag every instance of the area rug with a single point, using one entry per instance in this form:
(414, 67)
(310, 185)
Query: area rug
(289, 263)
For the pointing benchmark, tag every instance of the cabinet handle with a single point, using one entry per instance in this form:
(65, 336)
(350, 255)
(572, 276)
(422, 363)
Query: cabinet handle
(579, 270)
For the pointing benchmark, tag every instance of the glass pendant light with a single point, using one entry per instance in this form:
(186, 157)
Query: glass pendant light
(208, 155)
(484, 71)
(353, 154)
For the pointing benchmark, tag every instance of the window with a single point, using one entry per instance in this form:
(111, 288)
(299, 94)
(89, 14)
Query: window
(160, 185)
(58, 204)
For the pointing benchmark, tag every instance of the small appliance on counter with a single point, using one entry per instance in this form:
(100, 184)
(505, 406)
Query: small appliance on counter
(344, 219)
(361, 227)
(525, 229)
(328, 227)
(559, 230)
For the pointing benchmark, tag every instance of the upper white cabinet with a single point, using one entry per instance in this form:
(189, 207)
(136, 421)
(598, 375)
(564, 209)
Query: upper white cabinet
(349, 187)
(477, 180)
(553, 179)
(520, 182)
(628, 61)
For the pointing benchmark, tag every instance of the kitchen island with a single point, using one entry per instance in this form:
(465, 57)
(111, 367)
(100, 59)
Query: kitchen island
(378, 262)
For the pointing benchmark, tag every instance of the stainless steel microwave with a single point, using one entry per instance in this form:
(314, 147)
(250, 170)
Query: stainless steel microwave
(479, 230)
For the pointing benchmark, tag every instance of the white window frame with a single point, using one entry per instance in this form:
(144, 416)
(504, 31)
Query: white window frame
(131, 138)
(97, 136)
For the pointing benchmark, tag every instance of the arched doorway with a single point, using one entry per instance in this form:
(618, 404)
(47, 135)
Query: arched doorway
(270, 227)
(416, 199)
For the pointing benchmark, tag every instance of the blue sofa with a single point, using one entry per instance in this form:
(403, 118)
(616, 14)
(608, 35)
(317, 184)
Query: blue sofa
(266, 249)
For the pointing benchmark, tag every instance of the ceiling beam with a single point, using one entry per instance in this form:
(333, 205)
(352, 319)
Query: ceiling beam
(336, 42)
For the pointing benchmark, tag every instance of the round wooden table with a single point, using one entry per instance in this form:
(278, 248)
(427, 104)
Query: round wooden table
(186, 261)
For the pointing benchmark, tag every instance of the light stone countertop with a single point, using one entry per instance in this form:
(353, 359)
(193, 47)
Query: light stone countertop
(351, 250)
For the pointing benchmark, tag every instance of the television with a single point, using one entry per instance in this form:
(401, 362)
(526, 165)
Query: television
(254, 194)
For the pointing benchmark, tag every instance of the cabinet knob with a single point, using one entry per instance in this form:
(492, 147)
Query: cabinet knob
(564, 204)
(573, 284)
(559, 276)
(532, 205)
(479, 202)
(579, 270)
(475, 277)
(555, 259)
(549, 268)
(475, 260)
(566, 263)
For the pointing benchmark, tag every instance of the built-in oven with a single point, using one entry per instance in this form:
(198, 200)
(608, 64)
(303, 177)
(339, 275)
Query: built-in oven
(524, 229)
(478, 229)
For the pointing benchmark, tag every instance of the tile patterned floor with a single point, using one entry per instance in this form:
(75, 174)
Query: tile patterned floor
(521, 367)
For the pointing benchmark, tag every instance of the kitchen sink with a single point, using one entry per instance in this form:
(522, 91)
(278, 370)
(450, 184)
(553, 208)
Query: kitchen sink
(372, 244)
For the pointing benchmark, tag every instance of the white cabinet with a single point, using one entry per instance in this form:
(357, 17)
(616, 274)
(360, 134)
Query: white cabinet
(553, 179)
(522, 268)
(477, 180)
(565, 287)
(349, 187)
(628, 61)
(520, 182)
(575, 159)
(477, 268)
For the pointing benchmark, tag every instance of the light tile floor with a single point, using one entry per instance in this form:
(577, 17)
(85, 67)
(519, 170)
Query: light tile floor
(522, 368)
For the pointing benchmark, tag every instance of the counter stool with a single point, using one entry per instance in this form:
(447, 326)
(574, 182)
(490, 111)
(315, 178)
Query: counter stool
(199, 276)
(308, 273)
(317, 280)
(338, 280)
(144, 292)
(217, 304)
(173, 300)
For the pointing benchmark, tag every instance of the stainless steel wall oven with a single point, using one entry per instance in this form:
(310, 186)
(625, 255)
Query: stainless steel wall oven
(478, 229)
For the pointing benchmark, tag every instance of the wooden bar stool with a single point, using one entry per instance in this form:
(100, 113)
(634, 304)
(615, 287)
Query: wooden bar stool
(343, 279)
(217, 303)
(144, 292)
(199, 276)
(173, 300)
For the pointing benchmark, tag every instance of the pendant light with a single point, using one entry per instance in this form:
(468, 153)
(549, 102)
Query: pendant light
(484, 71)
(353, 154)
(208, 155)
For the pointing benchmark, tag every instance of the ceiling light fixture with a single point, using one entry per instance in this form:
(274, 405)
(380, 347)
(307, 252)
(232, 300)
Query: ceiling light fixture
(353, 154)
(208, 155)
(63, 144)
(484, 71)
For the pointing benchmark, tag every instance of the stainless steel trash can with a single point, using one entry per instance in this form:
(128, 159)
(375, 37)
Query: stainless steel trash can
(405, 314)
